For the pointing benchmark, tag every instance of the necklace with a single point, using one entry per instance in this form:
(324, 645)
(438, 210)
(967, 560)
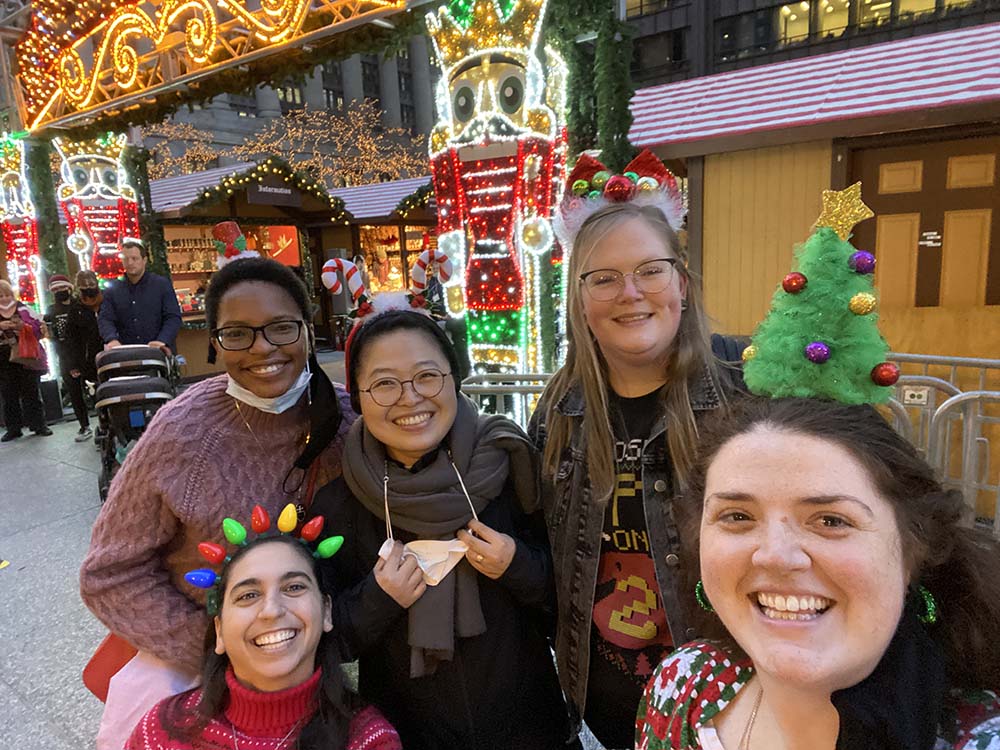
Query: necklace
(296, 490)
(249, 428)
(281, 742)
(745, 739)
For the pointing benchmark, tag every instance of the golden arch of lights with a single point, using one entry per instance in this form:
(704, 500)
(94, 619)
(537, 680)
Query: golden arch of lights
(80, 59)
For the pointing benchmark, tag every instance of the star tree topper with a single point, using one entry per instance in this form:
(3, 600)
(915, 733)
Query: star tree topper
(842, 209)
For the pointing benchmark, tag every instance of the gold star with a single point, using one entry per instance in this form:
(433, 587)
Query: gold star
(842, 209)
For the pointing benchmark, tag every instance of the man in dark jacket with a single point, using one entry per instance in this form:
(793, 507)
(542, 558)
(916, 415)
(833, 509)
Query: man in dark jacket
(141, 308)
(67, 330)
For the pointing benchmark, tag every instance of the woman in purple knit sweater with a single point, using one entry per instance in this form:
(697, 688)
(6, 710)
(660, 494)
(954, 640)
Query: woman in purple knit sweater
(265, 432)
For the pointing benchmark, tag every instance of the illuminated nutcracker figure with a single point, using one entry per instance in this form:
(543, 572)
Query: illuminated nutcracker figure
(98, 201)
(497, 156)
(18, 222)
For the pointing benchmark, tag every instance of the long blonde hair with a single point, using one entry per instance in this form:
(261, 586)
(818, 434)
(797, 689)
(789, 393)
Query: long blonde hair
(585, 364)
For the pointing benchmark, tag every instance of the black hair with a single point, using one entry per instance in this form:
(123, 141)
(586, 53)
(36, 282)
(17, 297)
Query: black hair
(254, 269)
(390, 322)
(143, 250)
(955, 562)
(329, 727)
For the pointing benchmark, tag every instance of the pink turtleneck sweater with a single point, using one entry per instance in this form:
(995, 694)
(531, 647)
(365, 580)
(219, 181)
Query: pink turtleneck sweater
(257, 721)
(197, 463)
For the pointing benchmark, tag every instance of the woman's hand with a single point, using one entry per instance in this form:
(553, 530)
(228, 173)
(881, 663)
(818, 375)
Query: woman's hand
(400, 577)
(490, 552)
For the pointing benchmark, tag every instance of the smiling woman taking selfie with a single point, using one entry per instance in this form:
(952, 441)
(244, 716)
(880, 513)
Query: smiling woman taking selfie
(267, 429)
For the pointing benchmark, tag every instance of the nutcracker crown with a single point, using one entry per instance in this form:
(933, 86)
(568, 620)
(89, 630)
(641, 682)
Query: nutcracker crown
(109, 146)
(465, 28)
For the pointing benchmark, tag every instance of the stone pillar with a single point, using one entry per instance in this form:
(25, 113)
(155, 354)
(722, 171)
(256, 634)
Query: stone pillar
(350, 72)
(219, 103)
(423, 89)
(388, 90)
(312, 91)
(268, 106)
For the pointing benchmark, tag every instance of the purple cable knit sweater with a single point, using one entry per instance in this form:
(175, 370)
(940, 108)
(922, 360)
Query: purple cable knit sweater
(196, 464)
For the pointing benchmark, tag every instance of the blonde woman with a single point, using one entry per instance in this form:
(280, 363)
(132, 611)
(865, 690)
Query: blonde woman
(617, 426)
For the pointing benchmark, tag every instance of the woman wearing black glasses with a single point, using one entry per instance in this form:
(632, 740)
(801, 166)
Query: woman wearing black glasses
(443, 583)
(266, 432)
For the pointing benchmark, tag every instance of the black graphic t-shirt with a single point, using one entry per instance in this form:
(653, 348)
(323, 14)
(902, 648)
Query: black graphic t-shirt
(630, 635)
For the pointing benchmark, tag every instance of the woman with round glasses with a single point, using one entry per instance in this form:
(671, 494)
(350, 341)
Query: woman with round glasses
(617, 427)
(441, 587)
(266, 432)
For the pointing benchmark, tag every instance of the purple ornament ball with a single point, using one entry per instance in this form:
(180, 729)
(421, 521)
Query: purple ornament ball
(862, 262)
(817, 352)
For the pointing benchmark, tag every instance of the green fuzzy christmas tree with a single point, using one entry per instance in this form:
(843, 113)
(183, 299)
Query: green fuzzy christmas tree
(821, 339)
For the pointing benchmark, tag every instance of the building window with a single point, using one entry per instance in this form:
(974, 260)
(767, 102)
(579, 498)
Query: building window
(408, 114)
(370, 76)
(243, 105)
(290, 96)
(834, 17)
(659, 53)
(635, 8)
(334, 99)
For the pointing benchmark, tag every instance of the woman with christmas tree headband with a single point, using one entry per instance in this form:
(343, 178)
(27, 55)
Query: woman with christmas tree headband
(849, 603)
(271, 678)
(617, 426)
(442, 591)
(267, 431)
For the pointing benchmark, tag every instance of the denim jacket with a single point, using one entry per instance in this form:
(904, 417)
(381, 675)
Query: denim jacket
(575, 520)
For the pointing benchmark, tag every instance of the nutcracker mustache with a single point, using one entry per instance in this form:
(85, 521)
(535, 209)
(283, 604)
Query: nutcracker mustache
(488, 126)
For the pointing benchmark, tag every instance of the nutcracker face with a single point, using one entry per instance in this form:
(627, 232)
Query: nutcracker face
(88, 177)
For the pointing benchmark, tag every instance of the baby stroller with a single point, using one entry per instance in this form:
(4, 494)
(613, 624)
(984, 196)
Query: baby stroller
(133, 382)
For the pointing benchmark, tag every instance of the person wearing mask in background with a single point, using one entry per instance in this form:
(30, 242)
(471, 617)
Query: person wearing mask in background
(91, 298)
(22, 400)
(141, 308)
(64, 318)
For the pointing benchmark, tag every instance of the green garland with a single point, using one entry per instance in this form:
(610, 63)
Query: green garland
(289, 64)
(417, 199)
(613, 83)
(135, 159)
(51, 234)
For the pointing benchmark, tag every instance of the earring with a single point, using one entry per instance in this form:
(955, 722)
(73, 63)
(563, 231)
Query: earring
(929, 615)
(699, 594)
(684, 305)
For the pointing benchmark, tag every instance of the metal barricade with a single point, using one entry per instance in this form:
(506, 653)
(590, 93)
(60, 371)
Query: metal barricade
(513, 394)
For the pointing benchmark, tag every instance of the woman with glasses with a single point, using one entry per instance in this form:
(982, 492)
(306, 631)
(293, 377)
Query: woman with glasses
(267, 431)
(617, 427)
(442, 587)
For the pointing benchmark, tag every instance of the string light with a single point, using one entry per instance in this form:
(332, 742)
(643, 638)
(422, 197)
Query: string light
(18, 221)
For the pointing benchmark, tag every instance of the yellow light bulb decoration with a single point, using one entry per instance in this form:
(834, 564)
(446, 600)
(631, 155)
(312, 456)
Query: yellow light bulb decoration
(288, 519)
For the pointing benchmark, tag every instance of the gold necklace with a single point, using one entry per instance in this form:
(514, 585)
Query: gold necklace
(249, 428)
(745, 739)
(281, 742)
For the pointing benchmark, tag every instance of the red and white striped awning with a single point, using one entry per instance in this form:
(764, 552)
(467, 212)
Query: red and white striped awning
(378, 200)
(921, 73)
(179, 192)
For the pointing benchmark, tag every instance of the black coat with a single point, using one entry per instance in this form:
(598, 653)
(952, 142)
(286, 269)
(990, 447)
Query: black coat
(500, 690)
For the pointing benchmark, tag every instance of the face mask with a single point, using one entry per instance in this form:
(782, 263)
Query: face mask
(435, 557)
(8, 308)
(276, 405)
(62, 297)
(89, 293)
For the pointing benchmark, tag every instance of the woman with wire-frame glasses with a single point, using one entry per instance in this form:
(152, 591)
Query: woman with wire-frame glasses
(444, 582)
(266, 432)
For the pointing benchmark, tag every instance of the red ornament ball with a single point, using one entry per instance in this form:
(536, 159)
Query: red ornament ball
(885, 374)
(794, 283)
(619, 189)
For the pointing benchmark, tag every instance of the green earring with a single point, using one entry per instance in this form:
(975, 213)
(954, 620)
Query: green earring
(699, 594)
(930, 615)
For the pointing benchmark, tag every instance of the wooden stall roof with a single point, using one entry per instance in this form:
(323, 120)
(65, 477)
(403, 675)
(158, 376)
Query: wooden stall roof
(378, 200)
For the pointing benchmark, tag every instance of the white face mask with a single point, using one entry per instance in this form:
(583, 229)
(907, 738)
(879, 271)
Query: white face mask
(275, 405)
(435, 557)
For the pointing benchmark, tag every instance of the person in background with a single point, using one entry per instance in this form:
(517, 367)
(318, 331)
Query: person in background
(142, 307)
(90, 303)
(19, 385)
(67, 327)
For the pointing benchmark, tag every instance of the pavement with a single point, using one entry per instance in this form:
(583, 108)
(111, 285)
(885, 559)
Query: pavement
(48, 503)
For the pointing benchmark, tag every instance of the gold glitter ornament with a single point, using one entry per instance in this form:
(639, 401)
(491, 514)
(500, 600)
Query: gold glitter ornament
(749, 353)
(647, 184)
(842, 209)
(862, 303)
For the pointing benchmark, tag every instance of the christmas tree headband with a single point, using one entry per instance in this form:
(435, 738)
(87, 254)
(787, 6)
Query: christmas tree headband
(820, 338)
(591, 187)
(260, 524)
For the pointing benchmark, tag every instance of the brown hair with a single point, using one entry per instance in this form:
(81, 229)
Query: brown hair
(690, 354)
(955, 562)
(86, 275)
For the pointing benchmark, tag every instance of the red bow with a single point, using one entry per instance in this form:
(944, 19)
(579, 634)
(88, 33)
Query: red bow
(365, 308)
(418, 300)
(645, 165)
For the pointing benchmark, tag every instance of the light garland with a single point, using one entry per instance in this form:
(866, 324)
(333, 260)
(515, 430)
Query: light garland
(18, 221)
(497, 157)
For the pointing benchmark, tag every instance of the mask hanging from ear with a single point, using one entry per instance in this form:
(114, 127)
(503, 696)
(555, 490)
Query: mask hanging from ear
(276, 405)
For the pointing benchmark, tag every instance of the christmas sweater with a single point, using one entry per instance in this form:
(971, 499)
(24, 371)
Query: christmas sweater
(699, 680)
(261, 721)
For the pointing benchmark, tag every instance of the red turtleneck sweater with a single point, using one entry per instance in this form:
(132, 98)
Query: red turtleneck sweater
(257, 721)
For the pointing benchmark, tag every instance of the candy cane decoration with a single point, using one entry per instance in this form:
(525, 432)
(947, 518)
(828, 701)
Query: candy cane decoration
(351, 274)
(418, 273)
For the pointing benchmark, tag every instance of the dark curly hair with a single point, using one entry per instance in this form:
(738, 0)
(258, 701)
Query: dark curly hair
(262, 270)
(330, 725)
(954, 561)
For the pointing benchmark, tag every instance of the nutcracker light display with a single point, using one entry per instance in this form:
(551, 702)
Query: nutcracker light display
(98, 201)
(497, 156)
(18, 222)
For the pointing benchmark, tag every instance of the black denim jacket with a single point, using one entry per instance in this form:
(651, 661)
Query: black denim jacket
(575, 520)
